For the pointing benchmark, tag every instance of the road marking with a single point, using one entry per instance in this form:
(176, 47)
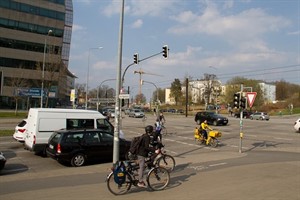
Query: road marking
(218, 164)
(283, 139)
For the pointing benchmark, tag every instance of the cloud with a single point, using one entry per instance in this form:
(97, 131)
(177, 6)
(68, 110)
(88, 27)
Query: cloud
(294, 33)
(244, 25)
(77, 27)
(140, 8)
(137, 24)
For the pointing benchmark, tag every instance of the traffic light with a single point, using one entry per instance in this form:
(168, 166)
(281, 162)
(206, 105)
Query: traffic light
(243, 103)
(122, 102)
(236, 100)
(165, 51)
(136, 58)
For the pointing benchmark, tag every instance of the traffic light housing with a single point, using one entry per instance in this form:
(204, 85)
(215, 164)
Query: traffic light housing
(243, 103)
(136, 58)
(165, 51)
(122, 102)
(236, 100)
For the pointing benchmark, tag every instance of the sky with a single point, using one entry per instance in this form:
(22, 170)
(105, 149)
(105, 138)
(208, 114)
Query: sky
(254, 39)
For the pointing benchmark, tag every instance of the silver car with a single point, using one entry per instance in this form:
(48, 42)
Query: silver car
(136, 113)
(260, 116)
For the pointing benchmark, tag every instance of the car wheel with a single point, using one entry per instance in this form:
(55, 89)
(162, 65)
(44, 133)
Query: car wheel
(198, 122)
(261, 118)
(215, 123)
(78, 160)
(251, 118)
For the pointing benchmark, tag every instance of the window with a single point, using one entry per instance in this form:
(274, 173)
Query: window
(80, 124)
(106, 137)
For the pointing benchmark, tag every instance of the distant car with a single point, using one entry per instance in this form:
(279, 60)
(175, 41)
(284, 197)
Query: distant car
(211, 117)
(260, 116)
(77, 147)
(136, 113)
(297, 125)
(20, 131)
(246, 114)
(2, 161)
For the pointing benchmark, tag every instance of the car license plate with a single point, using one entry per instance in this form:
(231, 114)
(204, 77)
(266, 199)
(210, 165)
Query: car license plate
(51, 146)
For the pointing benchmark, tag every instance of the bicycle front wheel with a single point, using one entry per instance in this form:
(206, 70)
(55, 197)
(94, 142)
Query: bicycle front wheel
(158, 178)
(118, 189)
(167, 161)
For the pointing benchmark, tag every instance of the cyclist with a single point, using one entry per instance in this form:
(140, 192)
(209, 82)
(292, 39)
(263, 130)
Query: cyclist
(204, 127)
(143, 152)
(161, 118)
(157, 132)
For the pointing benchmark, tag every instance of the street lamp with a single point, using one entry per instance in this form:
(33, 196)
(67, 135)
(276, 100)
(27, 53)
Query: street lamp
(112, 79)
(87, 77)
(43, 70)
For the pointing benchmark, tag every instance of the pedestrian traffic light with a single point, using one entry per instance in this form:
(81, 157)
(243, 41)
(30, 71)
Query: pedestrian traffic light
(165, 51)
(236, 100)
(136, 58)
(122, 102)
(243, 103)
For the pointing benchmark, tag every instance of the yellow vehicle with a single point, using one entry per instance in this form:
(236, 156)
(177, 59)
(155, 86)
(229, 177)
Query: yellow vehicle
(211, 137)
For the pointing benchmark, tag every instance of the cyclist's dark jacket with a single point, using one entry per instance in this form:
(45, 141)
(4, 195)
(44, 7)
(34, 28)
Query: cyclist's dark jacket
(145, 148)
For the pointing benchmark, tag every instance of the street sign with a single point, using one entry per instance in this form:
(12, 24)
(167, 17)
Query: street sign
(124, 96)
(251, 98)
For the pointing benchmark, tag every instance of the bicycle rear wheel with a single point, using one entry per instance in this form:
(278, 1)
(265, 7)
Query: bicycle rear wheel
(158, 178)
(118, 189)
(167, 161)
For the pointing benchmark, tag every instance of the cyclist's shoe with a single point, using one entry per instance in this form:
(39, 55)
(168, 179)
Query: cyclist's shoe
(142, 184)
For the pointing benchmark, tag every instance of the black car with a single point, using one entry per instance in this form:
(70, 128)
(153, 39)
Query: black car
(246, 114)
(77, 147)
(2, 160)
(211, 117)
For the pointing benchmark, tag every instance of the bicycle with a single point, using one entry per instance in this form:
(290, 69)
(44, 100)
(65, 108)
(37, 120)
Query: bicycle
(164, 130)
(163, 160)
(158, 178)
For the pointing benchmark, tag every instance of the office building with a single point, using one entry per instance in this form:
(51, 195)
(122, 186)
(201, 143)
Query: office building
(35, 38)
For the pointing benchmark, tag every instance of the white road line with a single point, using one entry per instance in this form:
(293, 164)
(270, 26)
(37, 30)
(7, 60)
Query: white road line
(283, 139)
(218, 164)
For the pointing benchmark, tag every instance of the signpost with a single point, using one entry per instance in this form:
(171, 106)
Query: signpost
(251, 98)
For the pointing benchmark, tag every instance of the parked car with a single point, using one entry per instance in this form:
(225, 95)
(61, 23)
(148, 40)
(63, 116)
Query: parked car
(20, 131)
(260, 116)
(136, 113)
(77, 147)
(211, 117)
(297, 125)
(246, 114)
(2, 161)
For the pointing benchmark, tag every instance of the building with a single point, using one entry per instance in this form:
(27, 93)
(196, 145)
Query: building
(35, 38)
(269, 91)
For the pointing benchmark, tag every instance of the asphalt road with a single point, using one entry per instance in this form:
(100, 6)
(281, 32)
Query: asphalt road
(267, 168)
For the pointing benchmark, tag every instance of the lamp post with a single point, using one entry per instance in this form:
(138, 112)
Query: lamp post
(87, 77)
(43, 70)
(111, 79)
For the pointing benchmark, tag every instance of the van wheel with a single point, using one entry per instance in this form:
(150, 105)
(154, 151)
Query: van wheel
(78, 160)
(198, 122)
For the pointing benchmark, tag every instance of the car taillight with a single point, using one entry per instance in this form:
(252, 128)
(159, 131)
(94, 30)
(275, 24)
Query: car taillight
(22, 130)
(58, 148)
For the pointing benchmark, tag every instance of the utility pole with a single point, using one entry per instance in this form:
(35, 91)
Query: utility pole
(241, 121)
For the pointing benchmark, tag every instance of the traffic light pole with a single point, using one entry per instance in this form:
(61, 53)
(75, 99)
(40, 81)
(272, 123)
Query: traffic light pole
(241, 121)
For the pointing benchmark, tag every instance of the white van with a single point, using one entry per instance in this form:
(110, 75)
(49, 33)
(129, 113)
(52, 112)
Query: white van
(42, 122)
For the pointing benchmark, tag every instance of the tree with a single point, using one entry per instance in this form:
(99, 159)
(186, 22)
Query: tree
(234, 85)
(212, 87)
(161, 95)
(176, 92)
(16, 83)
(140, 98)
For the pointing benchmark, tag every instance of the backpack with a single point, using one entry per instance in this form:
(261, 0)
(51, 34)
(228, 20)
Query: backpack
(134, 147)
(120, 173)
